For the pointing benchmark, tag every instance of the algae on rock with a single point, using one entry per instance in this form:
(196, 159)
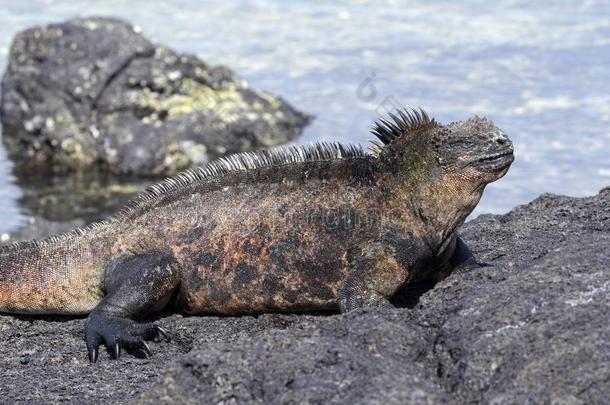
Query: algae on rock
(94, 92)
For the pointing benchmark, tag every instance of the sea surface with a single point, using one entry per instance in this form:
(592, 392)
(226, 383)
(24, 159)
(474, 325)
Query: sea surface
(540, 70)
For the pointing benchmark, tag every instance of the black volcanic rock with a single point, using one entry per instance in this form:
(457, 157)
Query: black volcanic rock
(529, 323)
(94, 91)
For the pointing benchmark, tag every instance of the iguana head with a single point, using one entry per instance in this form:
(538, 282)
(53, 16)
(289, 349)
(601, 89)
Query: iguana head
(474, 148)
(440, 170)
(474, 151)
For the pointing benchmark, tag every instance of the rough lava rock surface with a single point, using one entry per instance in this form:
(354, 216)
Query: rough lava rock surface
(94, 91)
(529, 324)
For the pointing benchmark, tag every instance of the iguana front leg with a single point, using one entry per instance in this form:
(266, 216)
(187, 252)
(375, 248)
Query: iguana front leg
(136, 285)
(375, 276)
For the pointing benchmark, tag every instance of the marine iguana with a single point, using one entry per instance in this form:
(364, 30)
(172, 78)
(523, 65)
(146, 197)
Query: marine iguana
(320, 227)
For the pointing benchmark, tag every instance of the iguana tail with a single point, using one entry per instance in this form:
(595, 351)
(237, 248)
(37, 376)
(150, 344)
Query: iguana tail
(52, 276)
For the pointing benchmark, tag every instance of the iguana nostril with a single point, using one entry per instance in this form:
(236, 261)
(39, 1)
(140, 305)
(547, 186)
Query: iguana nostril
(501, 141)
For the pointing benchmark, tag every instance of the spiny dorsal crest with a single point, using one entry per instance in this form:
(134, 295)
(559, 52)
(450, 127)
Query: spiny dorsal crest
(403, 122)
(245, 161)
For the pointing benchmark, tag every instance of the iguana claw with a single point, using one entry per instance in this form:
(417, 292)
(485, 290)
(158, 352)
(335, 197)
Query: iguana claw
(163, 333)
(146, 350)
(116, 351)
(93, 353)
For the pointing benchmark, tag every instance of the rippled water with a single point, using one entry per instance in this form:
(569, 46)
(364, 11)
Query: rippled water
(540, 70)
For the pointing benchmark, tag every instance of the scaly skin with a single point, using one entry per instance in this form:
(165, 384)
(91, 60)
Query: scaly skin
(319, 228)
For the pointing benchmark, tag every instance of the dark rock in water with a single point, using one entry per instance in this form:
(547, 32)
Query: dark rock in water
(93, 91)
(529, 324)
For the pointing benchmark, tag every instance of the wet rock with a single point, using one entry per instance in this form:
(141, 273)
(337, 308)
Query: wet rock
(528, 324)
(95, 92)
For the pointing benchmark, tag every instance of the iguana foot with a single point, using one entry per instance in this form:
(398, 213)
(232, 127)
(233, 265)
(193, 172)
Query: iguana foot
(136, 285)
(116, 332)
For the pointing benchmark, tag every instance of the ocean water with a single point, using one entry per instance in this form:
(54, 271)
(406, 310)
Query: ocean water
(540, 70)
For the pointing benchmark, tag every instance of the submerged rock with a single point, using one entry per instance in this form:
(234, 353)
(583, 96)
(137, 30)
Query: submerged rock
(94, 91)
(528, 324)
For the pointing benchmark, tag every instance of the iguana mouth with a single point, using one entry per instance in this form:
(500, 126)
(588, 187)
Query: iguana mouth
(495, 162)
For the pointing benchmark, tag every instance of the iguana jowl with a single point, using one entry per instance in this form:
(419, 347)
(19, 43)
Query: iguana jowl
(325, 226)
